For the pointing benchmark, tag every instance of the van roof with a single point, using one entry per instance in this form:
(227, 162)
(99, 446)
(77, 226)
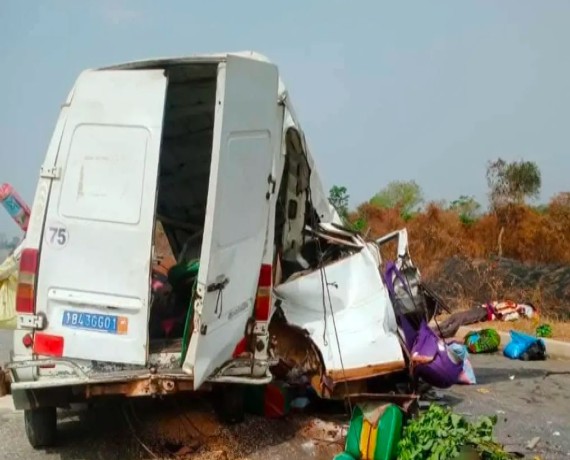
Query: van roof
(193, 59)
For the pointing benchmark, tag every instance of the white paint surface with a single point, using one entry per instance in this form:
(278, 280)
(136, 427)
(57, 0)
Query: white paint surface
(108, 155)
(364, 317)
(246, 126)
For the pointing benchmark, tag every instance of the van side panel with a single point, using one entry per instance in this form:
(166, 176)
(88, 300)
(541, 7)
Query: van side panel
(35, 228)
(93, 282)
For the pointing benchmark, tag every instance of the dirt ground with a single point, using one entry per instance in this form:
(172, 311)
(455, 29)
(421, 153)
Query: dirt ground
(530, 399)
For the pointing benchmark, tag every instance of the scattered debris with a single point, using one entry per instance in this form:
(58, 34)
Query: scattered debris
(17, 208)
(544, 330)
(483, 341)
(533, 443)
(467, 376)
(440, 433)
(300, 403)
(525, 347)
(505, 310)
(324, 431)
(462, 278)
(374, 432)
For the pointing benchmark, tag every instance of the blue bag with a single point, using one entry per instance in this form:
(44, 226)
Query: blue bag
(520, 344)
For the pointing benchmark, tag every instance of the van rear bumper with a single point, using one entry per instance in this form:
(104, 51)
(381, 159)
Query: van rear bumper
(133, 382)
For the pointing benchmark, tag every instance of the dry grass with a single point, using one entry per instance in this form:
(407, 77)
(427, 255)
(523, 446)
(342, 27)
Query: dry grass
(537, 242)
(437, 234)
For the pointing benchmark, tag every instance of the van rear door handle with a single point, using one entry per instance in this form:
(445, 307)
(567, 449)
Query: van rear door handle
(219, 285)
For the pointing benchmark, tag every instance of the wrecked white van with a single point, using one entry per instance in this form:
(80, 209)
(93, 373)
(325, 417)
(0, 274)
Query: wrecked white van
(209, 149)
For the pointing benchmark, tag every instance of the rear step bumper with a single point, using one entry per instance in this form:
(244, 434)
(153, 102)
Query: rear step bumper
(141, 382)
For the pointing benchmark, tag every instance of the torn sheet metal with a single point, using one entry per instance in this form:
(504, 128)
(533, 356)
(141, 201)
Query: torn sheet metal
(365, 320)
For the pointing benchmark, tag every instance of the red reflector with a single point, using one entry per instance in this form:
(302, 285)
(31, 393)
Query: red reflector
(262, 304)
(263, 300)
(48, 345)
(241, 348)
(25, 296)
(29, 261)
(27, 340)
(265, 275)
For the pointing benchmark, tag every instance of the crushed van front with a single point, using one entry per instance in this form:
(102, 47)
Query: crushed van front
(346, 312)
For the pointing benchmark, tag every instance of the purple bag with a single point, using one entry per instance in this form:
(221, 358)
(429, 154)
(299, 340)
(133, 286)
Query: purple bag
(440, 371)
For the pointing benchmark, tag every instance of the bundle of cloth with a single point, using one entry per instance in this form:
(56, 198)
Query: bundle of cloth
(503, 310)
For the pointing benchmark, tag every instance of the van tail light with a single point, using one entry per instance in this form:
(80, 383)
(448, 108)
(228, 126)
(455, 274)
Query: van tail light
(263, 298)
(25, 297)
(262, 307)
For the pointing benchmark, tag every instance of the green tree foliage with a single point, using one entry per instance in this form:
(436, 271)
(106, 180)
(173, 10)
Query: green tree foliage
(467, 208)
(405, 195)
(338, 197)
(512, 182)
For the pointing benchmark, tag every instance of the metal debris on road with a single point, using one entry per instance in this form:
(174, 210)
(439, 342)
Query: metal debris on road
(533, 443)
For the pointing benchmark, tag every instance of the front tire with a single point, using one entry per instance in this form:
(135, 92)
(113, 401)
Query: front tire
(41, 426)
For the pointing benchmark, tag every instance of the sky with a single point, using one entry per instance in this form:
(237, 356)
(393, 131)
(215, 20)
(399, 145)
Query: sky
(403, 90)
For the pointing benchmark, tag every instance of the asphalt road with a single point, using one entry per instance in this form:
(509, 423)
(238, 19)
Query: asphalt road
(530, 399)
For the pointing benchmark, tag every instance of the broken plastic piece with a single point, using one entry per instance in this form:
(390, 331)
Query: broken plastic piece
(15, 205)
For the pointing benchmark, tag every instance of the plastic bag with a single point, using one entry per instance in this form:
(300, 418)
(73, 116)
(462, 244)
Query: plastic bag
(523, 346)
(483, 341)
(432, 361)
(467, 375)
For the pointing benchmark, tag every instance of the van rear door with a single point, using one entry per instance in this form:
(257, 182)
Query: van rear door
(93, 281)
(247, 136)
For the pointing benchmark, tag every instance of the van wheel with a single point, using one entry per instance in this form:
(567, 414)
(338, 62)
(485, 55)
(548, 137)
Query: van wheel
(229, 403)
(41, 426)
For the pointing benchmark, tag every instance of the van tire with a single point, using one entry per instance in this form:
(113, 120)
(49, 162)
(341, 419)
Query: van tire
(228, 402)
(41, 426)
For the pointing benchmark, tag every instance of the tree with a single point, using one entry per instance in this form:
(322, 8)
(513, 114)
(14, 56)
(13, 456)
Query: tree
(338, 197)
(512, 183)
(405, 195)
(467, 208)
